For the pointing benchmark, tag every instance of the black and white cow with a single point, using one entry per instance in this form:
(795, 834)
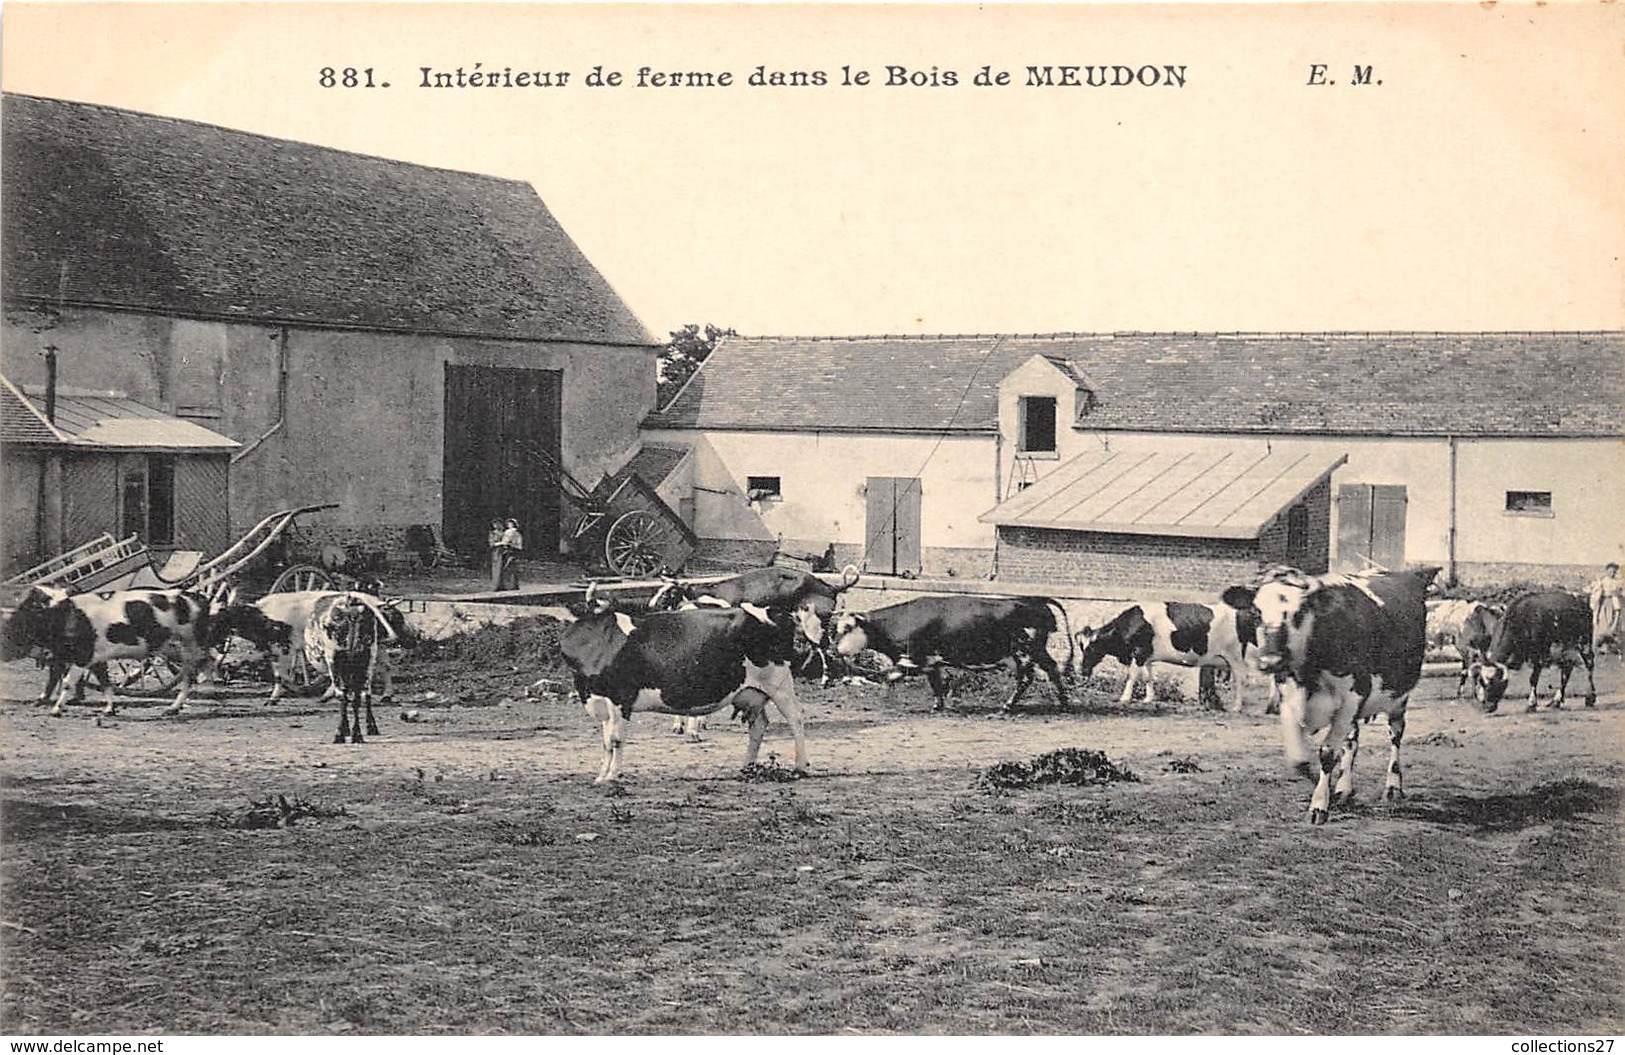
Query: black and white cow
(81, 632)
(346, 634)
(1466, 626)
(1477, 634)
(279, 624)
(809, 599)
(1189, 635)
(1349, 647)
(1539, 629)
(690, 662)
(930, 633)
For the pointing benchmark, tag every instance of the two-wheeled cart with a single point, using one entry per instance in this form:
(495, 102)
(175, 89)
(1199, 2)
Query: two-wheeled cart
(126, 564)
(620, 525)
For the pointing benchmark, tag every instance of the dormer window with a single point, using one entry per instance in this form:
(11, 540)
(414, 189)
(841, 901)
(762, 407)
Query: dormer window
(1037, 425)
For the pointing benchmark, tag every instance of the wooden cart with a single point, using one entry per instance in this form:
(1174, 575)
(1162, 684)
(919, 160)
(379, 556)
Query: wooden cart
(105, 564)
(621, 525)
(624, 525)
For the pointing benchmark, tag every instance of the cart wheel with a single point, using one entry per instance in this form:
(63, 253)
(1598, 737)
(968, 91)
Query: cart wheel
(152, 676)
(302, 577)
(636, 543)
(305, 681)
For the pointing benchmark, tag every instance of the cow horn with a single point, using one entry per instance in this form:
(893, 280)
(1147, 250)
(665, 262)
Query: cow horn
(377, 609)
(849, 578)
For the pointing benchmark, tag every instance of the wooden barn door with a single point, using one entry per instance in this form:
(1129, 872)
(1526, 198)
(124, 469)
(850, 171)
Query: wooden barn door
(502, 438)
(892, 525)
(1371, 526)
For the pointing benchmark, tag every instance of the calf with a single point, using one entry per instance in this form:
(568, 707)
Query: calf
(960, 631)
(1465, 626)
(80, 633)
(1473, 642)
(685, 663)
(1539, 628)
(1190, 635)
(1347, 647)
(278, 624)
(345, 634)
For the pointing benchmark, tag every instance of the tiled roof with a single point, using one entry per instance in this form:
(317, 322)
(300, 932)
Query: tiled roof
(655, 461)
(1173, 490)
(115, 208)
(887, 384)
(95, 419)
(22, 422)
(1430, 384)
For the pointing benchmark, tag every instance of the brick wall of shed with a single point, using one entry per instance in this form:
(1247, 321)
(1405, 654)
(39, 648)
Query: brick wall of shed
(1318, 543)
(1102, 560)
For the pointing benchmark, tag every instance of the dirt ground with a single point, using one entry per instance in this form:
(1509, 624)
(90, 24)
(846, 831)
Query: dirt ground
(460, 873)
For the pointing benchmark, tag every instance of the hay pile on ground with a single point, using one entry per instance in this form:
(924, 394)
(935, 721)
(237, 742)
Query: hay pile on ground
(1069, 765)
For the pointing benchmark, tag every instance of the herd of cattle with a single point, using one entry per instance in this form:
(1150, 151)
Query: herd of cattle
(1336, 649)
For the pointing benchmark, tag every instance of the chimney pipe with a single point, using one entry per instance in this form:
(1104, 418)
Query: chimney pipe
(50, 383)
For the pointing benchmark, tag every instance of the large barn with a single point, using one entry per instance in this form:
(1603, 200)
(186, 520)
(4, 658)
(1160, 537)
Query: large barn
(1162, 458)
(416, 344)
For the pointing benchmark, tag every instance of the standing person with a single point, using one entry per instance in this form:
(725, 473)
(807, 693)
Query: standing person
(513, 544)
(493, 539)
(1607, 594)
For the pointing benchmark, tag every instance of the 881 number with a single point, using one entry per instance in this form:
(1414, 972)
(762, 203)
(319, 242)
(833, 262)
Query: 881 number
(348, 77)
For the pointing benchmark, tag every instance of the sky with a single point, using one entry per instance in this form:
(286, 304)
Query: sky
(1476, 187)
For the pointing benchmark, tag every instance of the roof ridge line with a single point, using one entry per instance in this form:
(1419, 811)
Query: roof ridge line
(1108, 334)
(266, 136)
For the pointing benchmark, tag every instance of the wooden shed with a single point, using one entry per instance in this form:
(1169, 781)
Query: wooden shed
(101, 462)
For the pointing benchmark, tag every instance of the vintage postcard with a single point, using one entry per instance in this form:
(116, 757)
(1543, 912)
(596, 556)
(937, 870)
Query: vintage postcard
(1062, 435)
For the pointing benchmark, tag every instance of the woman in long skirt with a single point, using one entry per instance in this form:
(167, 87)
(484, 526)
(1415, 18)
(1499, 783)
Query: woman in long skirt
(493, 539)
(513, 544)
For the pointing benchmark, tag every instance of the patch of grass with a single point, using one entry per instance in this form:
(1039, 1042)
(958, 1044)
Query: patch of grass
(891, 894)
(1558, 800)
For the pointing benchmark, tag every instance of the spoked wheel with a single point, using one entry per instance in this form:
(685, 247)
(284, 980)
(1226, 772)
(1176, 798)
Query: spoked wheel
(303, 680)
(636, 543)
(302, 577)
(153, 676)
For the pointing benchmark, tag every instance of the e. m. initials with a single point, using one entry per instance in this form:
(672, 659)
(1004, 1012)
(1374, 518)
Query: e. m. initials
(1362, 75)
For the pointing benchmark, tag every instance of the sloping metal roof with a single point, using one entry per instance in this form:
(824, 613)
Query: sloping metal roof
(1229, 493)
(98, 419)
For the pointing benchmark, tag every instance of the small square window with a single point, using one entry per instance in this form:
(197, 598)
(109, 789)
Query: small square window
(760, 487)
(1530, 503)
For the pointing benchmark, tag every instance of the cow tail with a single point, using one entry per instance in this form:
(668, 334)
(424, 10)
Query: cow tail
(1066, 626)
